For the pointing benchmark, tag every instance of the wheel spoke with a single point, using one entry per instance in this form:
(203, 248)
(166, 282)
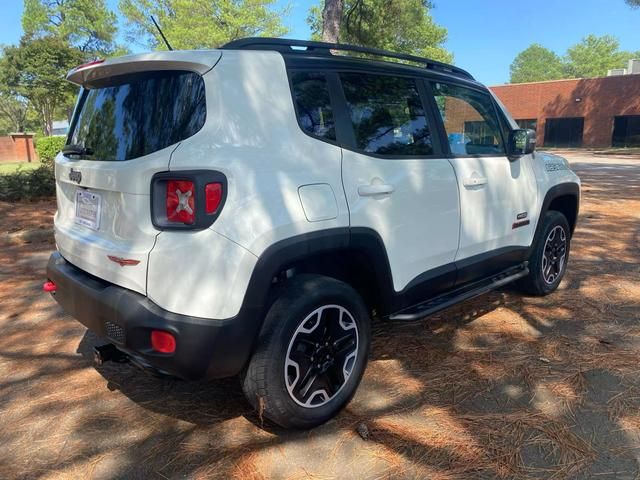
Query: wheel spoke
(554, 254)
(317, 354)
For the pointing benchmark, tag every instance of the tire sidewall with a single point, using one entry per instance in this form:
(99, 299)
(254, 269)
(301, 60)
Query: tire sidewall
(288, 312)
(551, 220)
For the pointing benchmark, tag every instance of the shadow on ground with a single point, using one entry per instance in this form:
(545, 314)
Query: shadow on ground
(501, 386)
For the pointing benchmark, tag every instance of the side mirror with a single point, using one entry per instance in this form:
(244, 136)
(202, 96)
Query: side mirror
(521, 142)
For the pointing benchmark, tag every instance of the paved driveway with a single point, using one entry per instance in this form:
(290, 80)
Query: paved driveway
(501, 386)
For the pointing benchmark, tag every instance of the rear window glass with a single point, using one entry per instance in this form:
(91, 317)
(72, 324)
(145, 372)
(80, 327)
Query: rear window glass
(139, 114)
(313, 105)
(387, 114)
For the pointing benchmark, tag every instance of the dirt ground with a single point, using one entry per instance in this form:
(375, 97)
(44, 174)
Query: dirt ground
(502, 386)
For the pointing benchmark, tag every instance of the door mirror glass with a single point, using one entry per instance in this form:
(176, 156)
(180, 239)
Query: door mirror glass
(522, 142)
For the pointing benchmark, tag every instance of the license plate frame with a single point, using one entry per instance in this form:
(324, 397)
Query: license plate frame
(88, 207)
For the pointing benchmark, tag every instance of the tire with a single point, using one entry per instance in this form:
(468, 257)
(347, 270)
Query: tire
(547, 270)
(277, 382)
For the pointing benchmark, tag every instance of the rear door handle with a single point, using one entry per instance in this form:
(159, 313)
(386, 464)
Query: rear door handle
(371, 190)
(474, 181)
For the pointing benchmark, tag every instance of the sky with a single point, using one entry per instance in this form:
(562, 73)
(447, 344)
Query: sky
(484, 35)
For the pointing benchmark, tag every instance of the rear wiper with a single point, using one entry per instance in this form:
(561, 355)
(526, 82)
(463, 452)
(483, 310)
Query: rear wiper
(76, 150)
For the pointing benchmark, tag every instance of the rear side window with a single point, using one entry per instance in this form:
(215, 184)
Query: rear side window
(469, 119)
(387, 114)
(136, 115)
(313, 105)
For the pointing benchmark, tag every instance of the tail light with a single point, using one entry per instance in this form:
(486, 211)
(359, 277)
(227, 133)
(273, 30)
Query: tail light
(187, 199)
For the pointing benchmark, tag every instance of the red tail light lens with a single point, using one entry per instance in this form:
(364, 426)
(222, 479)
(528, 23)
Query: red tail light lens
(162, 341)
(213, 197)
(187, 199)
(181, 201)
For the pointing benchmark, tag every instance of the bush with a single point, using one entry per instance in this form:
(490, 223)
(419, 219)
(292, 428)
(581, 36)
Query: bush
(28, 184)
(48, 148)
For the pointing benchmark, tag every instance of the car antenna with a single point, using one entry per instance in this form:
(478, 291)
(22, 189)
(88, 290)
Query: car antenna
(161, 34)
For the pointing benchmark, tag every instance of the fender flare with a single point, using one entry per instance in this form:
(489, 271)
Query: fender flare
(281, 255)
(559, 190)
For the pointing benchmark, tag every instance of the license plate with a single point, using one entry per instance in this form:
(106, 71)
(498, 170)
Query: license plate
(88, 205)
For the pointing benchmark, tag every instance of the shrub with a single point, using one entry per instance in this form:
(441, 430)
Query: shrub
(48, 148)
(28, 184)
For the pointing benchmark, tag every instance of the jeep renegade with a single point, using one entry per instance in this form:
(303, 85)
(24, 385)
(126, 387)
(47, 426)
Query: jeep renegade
(248, 210)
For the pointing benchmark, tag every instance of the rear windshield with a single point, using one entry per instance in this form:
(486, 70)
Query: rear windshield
(136, 115)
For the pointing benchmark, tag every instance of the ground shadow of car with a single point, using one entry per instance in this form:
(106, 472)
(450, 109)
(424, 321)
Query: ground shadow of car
(207, 403)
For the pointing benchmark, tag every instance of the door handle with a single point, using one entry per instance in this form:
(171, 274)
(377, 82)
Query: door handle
(371, 190)
(474, 181)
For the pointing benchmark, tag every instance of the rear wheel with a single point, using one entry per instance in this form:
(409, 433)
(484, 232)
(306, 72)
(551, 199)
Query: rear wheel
(311, 354)
(548, 261)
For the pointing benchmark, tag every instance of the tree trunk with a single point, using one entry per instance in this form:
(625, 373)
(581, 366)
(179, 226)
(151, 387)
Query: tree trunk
(331, 17)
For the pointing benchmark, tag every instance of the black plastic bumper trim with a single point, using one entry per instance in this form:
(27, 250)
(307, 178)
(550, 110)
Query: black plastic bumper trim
(206, 348)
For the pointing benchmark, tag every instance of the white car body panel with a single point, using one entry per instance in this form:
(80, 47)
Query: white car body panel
(125, 228)
(201, 274)
(266, 159)
(506, 189)
(418, 222)
(265, 156)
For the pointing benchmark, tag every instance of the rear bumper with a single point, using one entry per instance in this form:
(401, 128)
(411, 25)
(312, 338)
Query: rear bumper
(205, 348)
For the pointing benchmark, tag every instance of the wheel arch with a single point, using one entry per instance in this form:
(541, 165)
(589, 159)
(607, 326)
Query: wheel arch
(354, 255)
(563, 198)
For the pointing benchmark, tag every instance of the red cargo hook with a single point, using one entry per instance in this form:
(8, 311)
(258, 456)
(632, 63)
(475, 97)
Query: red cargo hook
(49, 287)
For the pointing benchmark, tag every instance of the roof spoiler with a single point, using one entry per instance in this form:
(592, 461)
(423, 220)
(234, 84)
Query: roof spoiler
(90, 74)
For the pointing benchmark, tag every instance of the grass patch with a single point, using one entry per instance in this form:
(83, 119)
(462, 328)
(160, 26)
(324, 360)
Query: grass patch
(11, 167)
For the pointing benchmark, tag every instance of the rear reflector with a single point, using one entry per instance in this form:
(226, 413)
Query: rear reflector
(213, 197)
(162, 341)
(181, 201)
(49, 287)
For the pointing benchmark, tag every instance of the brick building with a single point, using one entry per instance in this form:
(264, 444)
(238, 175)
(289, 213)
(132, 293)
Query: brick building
(593, 112)
(17, 147)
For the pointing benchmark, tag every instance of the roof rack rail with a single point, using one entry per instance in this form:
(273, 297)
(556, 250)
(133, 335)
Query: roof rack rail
(286, 45)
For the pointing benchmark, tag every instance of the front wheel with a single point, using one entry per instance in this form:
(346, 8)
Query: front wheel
(311, 353)
(548, 261)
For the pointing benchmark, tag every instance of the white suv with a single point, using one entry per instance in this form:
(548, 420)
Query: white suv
(248, 210)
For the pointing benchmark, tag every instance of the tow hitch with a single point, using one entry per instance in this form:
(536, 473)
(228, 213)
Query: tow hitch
(108, 352)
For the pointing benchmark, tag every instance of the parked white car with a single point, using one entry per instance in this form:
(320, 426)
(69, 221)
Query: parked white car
(248, 210)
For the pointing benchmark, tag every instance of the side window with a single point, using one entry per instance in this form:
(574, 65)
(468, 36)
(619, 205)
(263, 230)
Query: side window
(313, 106)
(387, 114)
(469, 120)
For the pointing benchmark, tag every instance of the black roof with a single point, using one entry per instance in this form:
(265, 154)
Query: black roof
(305, 48)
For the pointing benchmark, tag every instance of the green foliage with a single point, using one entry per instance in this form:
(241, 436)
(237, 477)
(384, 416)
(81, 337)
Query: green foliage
(594, 55)
(402, 26)
(589, 58)
(193, 24)
(536, 64)
(35, 70)
(27, 184)
(633, 3)
(85, 24)
(48, 148)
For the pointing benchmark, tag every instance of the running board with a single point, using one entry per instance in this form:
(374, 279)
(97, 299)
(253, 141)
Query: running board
(446, 300)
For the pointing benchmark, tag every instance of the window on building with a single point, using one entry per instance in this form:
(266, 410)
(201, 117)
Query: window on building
(469, 119)
(387, 114)
(626, 131)
(563, 132)
(528, 123)
(313, 106)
